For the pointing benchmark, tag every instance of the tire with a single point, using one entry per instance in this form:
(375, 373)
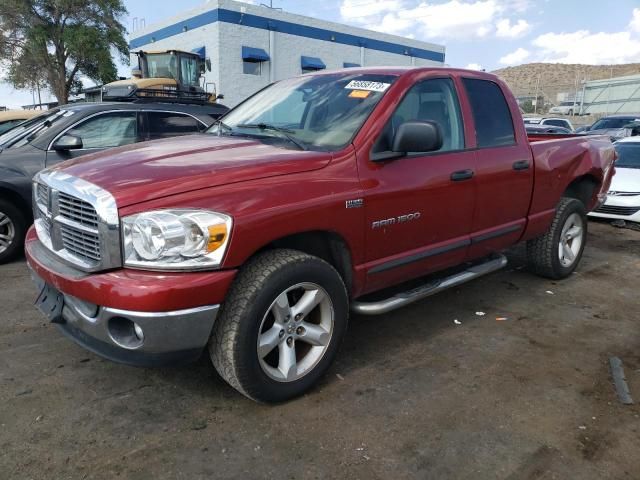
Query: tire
(13, 227)
(557, 253)
(260, 328)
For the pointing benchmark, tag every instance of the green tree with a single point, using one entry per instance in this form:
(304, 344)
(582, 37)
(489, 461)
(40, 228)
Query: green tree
(527, 106)
(28, 76)
(62, 39)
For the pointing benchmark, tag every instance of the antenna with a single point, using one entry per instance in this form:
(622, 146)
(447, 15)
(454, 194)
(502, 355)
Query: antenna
(270, 5)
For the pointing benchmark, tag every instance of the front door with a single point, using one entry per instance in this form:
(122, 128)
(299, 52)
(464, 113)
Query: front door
(419, 208)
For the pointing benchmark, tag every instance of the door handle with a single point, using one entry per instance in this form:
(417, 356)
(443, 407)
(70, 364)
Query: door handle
(461, 175)
(521, 165)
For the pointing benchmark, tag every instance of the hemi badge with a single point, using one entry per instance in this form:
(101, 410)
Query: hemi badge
(357, 203)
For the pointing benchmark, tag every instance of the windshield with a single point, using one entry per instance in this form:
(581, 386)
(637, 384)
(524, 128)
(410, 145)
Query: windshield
(190, 70)
(317, 112)
(628, 155)
(610, 123)
(22, 127)
(162, 65)
(37, 129)
(567, 104)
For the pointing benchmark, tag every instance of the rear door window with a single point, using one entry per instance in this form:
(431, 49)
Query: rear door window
(491, 114)
(171, 124)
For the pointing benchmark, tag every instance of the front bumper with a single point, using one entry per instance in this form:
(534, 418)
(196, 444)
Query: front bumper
(619, 207)
(174, 313)
(167, 337)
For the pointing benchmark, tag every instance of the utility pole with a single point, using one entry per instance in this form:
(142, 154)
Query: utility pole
(535, 109)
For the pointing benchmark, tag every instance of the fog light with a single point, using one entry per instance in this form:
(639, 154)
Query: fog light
(125, 333)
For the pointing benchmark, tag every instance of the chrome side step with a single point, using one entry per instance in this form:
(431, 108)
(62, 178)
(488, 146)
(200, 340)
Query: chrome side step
(405, 298)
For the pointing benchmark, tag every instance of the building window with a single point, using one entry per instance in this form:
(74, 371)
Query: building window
(252, 59)
(311, 64)
(252, 68)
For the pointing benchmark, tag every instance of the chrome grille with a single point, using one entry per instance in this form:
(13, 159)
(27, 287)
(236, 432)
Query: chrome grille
(42, 192)
(77, 210)
(623, 194)
(76, 220)
(81, 244)
(616, 210)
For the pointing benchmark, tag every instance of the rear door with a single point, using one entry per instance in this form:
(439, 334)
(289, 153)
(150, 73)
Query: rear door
(98, 132)
(504, 169)
(419, 207)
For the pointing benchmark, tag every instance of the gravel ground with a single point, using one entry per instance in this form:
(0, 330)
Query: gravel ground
(412, 395)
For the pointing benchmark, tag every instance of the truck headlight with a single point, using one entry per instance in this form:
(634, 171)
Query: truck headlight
(175, 239)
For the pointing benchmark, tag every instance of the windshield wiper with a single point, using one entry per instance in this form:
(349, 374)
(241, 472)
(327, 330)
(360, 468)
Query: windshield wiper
(285, 132)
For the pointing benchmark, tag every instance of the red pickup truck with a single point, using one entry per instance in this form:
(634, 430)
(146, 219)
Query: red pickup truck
(311, 199)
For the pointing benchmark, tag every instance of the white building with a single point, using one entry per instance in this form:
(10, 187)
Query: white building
(251, 46)
(612, 95)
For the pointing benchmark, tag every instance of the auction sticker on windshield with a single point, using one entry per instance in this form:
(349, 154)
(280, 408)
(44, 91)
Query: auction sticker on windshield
(365, 85)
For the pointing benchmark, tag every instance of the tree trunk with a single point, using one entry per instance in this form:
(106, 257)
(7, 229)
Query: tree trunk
(59, 85)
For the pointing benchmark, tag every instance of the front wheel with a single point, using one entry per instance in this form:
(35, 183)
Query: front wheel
(280, 326)
(13, 226)
(557, 253)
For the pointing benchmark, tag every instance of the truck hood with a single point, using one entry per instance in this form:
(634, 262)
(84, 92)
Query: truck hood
(626, 180)
(151, 170)
(612, 132)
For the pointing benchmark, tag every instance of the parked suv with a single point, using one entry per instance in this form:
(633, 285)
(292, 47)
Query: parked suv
(72, 131)
(11, 118)
(616, 126)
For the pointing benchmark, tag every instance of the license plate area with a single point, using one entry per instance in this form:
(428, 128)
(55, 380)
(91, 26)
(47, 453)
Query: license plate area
(50, 302)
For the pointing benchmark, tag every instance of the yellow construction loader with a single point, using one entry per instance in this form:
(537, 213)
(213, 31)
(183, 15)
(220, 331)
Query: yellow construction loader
(169, 75)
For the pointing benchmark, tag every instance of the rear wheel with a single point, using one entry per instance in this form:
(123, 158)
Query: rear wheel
(557, 253)
(280, 326)
(13, 226)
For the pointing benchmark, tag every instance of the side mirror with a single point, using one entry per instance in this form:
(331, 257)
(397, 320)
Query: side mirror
(207, 62)
(67, 142)
(416, 136)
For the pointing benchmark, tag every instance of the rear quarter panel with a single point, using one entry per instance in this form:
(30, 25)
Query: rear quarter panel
(559, 160)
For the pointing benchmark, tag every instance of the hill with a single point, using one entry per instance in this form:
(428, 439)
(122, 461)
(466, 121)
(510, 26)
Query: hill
(555, 78)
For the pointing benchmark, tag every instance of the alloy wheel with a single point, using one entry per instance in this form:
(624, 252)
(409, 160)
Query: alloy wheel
(295, 333)
(571, 239)
(7, 232)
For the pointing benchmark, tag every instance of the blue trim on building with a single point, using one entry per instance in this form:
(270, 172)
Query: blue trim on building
(264, 23)
(251, 54)
(311, 63)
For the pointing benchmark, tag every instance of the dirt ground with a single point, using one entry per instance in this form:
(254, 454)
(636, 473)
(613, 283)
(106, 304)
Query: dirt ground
(412, 395)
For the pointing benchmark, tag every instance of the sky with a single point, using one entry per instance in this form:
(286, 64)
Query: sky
(478, 34)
